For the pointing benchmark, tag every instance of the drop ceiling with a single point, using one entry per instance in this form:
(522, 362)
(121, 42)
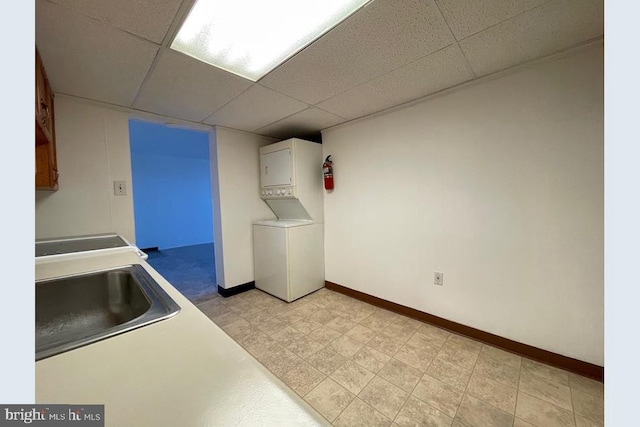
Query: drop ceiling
(388, 53)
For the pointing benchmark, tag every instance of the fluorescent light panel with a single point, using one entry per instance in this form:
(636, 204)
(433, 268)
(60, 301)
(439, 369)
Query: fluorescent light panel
(252, 37)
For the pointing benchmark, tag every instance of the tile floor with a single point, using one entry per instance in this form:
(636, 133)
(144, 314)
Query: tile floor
(190, 269)
(360, 365)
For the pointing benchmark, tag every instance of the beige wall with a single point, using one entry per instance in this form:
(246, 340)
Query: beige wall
(93, 151)
(499, 185)
(235, 175)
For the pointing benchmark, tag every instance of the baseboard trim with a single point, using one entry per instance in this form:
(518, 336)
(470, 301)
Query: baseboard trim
(236, 289)
(563, 362)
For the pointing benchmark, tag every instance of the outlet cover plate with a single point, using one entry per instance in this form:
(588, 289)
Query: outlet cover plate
(438, 278)
(120, 188)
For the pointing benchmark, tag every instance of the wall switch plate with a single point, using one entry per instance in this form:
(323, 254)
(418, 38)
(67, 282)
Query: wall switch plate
(438, 278)
(120, 188)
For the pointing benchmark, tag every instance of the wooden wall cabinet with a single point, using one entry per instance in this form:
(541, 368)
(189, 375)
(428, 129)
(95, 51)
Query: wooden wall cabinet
(46, 161)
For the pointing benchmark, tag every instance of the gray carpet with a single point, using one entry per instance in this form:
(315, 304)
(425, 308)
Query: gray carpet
(190, 269)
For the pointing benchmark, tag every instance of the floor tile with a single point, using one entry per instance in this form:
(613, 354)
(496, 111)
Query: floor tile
(228, 316)
(281, 362)
(400, 374)
(588, 406)
(303, 346)
(434, 332)
(271, 326)
(352, 376)
(460, 353)
(307, 308)
(324, 335)
(476, 413)
(361, 333)
(492, 392)
(416, 357)
(359, 413)
(545, 371)
(449, 373)
(287, 335)
(501, 356)
(356, 315)
(387, 345)
(322, 316)
(329, 348)
(417, 413)
(521, 423)
(303, 378)
(375, 323)
(346, 346)
(586, 385)
(341, 324)
(329, 399)
(439, 395)
(305, 325)
(399, 331)
(258, 343)
(464, 342)
(541, 413)
(326, 360)
(236, 327)
(550, 391)
(431, 342)
(371, 359)
(408, 322)
(585, 422)
(497, 369)
(384, 396)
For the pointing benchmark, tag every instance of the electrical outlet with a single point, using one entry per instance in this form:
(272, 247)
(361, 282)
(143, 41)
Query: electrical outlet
(438, 278)
(120, 188)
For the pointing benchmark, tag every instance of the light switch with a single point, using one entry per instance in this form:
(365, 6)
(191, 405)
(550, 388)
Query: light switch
(120, 188)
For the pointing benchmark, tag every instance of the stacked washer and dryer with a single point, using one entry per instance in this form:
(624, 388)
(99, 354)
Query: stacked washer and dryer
(289, 251)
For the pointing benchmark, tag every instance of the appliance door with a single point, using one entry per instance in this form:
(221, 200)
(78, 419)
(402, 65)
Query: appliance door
(275, 168)
(270, 260)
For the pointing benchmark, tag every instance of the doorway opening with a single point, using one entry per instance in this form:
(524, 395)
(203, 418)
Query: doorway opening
(172, 204)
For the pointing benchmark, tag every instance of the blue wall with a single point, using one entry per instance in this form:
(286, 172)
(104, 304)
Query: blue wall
(171, 186)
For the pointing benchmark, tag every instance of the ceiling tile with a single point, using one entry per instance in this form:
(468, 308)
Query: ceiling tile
(544, 30)
(438, 71)
(256, 107)
(185, 88)
(86, 58)
(384, 35)
(469, 17)
(305, 122)
(150, 19)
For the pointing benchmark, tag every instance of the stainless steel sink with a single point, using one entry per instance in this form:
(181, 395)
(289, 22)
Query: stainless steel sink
(74, 311)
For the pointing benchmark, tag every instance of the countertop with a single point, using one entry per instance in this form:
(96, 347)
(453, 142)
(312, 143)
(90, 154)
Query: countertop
(182, 371)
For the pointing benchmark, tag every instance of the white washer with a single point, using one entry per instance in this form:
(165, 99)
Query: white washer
(288, 257)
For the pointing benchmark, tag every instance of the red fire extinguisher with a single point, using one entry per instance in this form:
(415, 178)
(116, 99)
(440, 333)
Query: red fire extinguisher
(327, 170)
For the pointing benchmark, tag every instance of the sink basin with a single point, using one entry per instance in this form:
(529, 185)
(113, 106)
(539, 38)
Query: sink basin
(73, 311)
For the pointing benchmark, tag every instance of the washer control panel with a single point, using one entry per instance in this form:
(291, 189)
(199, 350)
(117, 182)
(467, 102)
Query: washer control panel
(288, 192)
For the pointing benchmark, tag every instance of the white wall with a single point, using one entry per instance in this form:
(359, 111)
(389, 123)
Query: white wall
(235, 183)
(498, 184)
(93, 150)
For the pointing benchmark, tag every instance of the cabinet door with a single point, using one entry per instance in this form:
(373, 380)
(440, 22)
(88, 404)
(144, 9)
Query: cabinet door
(46, 161)
(43, 105)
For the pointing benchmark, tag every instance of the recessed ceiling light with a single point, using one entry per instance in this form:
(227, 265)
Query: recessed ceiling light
(252, 37)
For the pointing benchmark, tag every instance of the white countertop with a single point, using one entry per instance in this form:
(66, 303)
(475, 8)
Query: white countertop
(182, 371)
